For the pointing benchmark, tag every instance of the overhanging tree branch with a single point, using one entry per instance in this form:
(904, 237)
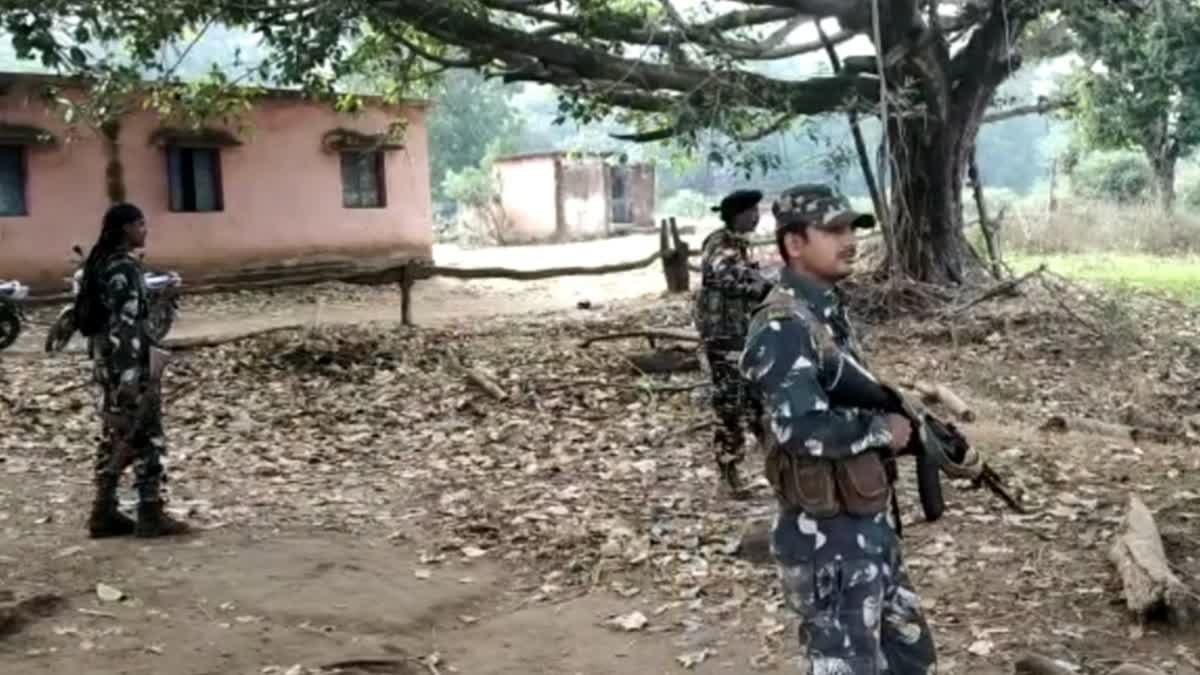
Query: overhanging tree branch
(1040, 108)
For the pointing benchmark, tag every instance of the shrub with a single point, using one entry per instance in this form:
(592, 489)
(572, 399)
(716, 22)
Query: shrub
(1122, 177)
(686, 203)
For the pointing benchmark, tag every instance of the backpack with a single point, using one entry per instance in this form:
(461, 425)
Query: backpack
(90, 314)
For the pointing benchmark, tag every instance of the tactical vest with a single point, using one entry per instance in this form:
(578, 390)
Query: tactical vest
(821, 487)
(722, 316)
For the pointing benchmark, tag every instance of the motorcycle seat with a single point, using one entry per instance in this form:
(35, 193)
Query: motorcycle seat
(13, 289)
(158, 281)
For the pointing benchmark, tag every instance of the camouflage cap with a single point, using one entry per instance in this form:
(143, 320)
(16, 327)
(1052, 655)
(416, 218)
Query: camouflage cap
(817, 205)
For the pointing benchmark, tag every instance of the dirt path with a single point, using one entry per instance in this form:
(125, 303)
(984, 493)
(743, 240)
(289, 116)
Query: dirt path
(264, 602)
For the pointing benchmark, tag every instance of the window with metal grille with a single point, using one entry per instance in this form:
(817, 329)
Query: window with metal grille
(195, 178)
(12, 181)
(362, 180)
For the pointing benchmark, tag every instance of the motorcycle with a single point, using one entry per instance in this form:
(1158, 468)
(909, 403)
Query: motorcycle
(163, 293)
(11, 316)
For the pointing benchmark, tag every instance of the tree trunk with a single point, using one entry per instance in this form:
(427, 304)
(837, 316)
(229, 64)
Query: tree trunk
(1164, 180)
(926, 202)
(114, 171)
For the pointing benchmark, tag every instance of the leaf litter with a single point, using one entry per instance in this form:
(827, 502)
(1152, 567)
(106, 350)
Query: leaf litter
(580, 488)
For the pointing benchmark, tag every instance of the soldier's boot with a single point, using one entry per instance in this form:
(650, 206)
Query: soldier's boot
(106, 519)
(153, 521)
(731, 479)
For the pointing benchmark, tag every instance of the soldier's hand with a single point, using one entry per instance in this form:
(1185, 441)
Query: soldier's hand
(901, 429)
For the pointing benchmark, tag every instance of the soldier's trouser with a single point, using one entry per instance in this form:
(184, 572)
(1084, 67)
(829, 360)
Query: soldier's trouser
(130, 435)
(733, 403)
(859, 614)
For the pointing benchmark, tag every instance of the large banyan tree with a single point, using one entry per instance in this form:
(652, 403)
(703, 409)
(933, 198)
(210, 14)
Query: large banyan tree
(675, 68)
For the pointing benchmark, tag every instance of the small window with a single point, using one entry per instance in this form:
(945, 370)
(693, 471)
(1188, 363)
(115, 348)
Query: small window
(12, 181)
(195, 177)
(362, 180)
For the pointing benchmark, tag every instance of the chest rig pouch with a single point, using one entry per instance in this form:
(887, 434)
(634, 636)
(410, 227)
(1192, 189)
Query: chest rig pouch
(823, 487)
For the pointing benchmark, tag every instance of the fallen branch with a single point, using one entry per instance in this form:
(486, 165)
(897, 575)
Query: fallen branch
(199, 341)
(670, 388)
(1060, 424)
(1036, 664)
(479, 379)
(665, 362)
(1133, 669)
(424, 271)
(1151, 589)
(649, 333)
(1002, 288)
(934, 393)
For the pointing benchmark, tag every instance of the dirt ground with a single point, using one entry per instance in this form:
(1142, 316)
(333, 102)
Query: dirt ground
(362, 503)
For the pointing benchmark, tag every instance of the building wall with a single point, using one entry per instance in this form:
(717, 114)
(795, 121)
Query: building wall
(583, 191)
(641, 194)
(282, 194)
(528, 187)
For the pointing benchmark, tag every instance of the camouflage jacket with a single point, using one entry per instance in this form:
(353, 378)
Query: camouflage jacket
(803, 360)
(122, 350)
(731, 284)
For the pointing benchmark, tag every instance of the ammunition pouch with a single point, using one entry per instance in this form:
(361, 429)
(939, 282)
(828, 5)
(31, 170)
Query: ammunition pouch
(824, 488)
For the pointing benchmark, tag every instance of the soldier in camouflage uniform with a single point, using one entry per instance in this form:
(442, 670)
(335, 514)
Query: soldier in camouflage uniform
(130, 403)
(834, 538)
(731, 284)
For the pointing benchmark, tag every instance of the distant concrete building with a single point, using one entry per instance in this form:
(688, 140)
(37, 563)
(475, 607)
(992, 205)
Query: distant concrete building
(304, 185)
(554, 196)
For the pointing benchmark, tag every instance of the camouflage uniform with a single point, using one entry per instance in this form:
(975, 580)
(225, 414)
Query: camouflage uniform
(842, 573)
(731, 284)
(130, 403)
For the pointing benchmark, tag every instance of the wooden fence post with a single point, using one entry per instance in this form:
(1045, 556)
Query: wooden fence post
(674, 257)
(406, 284)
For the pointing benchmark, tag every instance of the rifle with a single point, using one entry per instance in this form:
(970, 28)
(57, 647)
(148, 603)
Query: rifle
(939, 445)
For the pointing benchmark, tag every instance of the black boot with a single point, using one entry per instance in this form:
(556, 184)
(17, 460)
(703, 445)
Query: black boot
(732, 479)
(154, 522)
(106, 520)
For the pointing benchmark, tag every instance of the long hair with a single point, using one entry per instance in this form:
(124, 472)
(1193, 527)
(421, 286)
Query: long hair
(112, 238)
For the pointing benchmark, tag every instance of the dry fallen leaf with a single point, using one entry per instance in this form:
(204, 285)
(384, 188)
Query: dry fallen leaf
(422, 574)
(981, 647)
(109, 593)
(632, 621)
(693, 659)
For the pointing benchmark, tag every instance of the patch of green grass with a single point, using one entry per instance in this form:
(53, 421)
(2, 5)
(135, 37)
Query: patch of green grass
(1175, 276)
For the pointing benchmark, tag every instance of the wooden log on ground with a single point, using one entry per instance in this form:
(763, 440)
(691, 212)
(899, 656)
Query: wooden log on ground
(1060, 424)
(666, 361)
(199, 341)
(1036, 664)
(935, 393)
(755, 544)
(1134, 669)
(954, 403)
(477, 378)
(649, 333)
(1151, 589)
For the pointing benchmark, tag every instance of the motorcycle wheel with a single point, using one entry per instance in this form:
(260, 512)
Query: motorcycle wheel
(162, 316)
(61, 331)
(10, 326)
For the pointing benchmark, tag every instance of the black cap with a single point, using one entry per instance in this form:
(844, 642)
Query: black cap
(817, 205)
(736, 202)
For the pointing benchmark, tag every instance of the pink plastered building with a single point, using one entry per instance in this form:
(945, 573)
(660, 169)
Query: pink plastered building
(298, 183)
